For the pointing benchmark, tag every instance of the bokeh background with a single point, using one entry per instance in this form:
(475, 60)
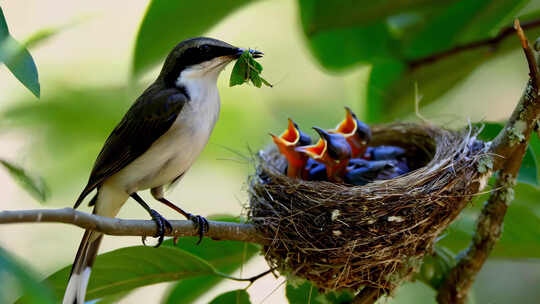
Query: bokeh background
(84, 73)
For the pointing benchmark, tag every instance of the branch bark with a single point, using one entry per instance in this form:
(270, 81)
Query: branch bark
(508, 149)
(115, 226)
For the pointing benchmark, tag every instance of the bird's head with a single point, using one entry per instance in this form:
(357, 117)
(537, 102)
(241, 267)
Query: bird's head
(337, 145)
(351, 126)
(292, 136)
(200, 57)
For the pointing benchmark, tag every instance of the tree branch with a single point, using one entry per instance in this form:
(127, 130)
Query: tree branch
(115, 226)
(509, 148)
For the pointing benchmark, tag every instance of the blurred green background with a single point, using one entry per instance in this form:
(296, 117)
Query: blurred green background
(320, 56)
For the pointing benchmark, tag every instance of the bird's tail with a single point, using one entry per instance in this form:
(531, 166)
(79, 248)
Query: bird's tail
(80, 272)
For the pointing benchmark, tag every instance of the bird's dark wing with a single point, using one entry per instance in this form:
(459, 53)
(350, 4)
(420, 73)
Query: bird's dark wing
(148, 118)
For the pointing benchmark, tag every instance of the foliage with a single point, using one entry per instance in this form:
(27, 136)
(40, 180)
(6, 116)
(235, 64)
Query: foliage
(16, 278)
(239, 296)
(247, 69)
(34, 185)
(17, 58)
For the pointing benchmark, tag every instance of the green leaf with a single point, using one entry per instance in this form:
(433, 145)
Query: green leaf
(247, 69)
(462, 22)
(16, 279)
(239, 296)
(225, 256)
(528, 173)
(17, 58)
(307, 293)
(342, 34)
(167, 22)
(436, 267)
(127, 268)
(34, 185)
(381, 77)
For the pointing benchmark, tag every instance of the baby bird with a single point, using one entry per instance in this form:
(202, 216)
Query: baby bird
(286, 143)
(361, 171)
(333, 151)
(357, 133)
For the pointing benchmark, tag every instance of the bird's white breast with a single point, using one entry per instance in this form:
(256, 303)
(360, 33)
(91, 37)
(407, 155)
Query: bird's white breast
(176, 150)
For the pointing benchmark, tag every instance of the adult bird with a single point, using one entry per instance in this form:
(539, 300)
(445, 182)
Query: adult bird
(357, 133)
(155, 143)
(287, 142)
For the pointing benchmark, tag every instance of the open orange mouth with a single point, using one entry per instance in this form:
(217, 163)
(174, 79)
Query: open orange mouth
(291, 136)
(348, 126)
(316, 151)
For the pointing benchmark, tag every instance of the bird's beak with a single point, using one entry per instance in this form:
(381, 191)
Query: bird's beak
(254, 53)
(315, 151)
(322, 133)
(348, 126)
(291, 136)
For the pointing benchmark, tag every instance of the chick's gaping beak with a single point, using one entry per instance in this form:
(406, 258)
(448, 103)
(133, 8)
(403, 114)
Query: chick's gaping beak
(316, 151)
(348, 126)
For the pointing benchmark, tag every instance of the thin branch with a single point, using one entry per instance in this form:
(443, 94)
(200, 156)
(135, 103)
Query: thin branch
(115, 226)
(510, 145)
(492, 42)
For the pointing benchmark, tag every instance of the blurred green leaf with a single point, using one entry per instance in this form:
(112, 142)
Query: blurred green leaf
(225, 256)
(435, 267)
(521, 234)
(35, 185)
(363, 32)
(399, 35)
(167, 22)
(127, 268)
(239, 296)
(381, 77)
(308, 293)
(528, 173)
(17, 58)
(16, 279)
(462, 22)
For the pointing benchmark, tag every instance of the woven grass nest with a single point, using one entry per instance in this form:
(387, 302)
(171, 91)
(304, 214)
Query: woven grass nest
(344, 237)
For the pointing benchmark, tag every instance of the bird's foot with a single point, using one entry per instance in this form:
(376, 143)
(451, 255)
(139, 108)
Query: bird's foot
(162, 226)
(201, 224)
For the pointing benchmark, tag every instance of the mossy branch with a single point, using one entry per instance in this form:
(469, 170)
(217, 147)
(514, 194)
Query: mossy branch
(508, 150)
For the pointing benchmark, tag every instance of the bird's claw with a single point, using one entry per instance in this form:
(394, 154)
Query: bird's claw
(201, 225)
(162, 226)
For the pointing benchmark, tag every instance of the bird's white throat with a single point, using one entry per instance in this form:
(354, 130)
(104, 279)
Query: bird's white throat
(199, 79)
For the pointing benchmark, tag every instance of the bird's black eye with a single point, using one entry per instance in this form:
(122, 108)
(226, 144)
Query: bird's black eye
(205, 48)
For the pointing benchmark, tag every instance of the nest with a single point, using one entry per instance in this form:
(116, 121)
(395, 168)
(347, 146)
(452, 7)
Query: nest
(345, 237)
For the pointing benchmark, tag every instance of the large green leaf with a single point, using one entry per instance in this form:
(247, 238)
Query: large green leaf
(225, 256)
(462, 22)
(127, 268)
(17, 58)
(239, 296)
(35, 185)
(307, 293)
(167, 22)
(17, 279)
